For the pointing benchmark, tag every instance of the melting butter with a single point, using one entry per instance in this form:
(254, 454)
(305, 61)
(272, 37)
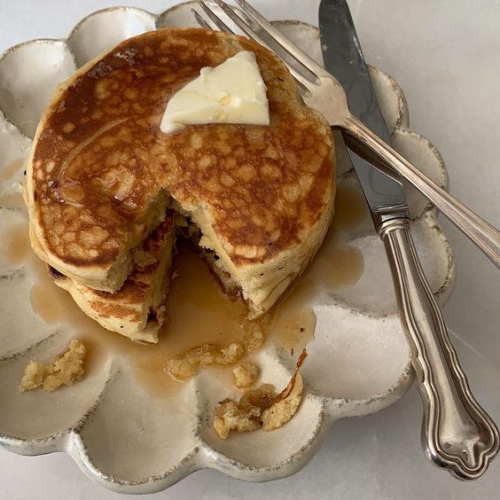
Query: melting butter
(233, 92)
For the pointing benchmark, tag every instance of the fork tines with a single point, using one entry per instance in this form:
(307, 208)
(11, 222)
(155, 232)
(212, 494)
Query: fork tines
(256, 27)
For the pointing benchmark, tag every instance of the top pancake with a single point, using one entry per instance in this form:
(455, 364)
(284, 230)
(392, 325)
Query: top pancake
(102, 173)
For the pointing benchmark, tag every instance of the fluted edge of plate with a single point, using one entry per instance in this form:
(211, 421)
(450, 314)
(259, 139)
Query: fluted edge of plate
(329, 410)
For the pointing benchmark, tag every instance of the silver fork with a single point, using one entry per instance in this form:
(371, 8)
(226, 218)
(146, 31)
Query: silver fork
(324, 93)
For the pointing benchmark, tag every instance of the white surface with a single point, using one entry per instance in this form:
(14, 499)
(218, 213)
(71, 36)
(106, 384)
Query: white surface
(443, 60)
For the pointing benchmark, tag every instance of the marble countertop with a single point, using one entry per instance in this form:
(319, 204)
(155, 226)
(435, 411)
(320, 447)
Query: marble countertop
(445, 57)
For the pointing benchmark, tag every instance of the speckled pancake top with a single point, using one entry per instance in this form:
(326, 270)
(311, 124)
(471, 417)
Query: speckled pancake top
(101, 164)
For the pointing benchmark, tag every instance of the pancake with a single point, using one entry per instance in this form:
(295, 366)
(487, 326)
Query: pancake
(138, 309)
(102, 174)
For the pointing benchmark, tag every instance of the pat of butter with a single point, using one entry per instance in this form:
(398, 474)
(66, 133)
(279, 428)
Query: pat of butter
(233, 92)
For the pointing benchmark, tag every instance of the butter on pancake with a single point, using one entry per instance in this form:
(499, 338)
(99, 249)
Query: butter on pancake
(232, 92)
(102, 173)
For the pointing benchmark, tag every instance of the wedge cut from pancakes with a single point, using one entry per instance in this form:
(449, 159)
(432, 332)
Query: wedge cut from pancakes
(138, 309)
(102, 174)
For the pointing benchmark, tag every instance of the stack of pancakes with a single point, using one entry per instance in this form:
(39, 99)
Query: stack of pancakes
(103, 182)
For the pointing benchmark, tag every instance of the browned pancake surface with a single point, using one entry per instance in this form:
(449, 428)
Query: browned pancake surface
(101, 160)
(139, 303)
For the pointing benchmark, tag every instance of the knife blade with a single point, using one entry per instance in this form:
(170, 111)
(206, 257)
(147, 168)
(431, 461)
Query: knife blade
(457, 434)
(343, 57)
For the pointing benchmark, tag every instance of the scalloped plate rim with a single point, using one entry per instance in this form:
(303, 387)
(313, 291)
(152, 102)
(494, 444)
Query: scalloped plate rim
(70, 440)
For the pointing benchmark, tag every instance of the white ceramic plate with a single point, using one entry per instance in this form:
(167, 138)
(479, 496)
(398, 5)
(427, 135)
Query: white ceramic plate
(121, 437)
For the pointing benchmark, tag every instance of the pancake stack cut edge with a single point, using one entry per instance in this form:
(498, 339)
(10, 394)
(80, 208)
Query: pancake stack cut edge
(103, 182)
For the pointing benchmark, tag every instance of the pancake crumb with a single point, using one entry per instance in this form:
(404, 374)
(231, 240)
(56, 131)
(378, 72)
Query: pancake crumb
(65, 369)
(243, 415)
(245, 375)
(254, 339)
(187, 364)
(260, 408)
(285, 405)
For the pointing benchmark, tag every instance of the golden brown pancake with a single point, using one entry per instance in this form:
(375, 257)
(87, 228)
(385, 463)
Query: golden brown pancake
(102, 173)
(138, 309)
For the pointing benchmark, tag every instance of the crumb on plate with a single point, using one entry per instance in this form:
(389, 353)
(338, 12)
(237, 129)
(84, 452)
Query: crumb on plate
(285, 405)
(260, 408)
(65, 369)
(254, 339)
(187, 364)
(245, 375)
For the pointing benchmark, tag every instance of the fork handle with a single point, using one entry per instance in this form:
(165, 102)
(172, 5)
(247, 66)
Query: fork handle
(457, 433)
(365, 143)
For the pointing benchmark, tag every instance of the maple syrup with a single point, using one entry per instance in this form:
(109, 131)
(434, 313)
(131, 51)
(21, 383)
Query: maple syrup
(10, 169)
(16, 243)
(197, 310)
(13, 200)
(336, 266)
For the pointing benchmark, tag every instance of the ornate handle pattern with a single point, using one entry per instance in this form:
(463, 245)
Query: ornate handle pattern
(457, 433)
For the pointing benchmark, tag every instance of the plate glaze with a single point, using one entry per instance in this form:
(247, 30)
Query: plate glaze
(119, 435)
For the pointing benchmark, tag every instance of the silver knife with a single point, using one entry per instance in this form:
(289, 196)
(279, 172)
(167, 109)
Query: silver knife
(457, 433)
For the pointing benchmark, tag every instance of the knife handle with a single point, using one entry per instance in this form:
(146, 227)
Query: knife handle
(367, 144)
(457, 433)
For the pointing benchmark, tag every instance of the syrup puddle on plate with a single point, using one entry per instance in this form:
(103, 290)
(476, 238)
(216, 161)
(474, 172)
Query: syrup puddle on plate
(10, 169)
(336, 266)
(17, 243)
(13, 200)
(197, 311)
